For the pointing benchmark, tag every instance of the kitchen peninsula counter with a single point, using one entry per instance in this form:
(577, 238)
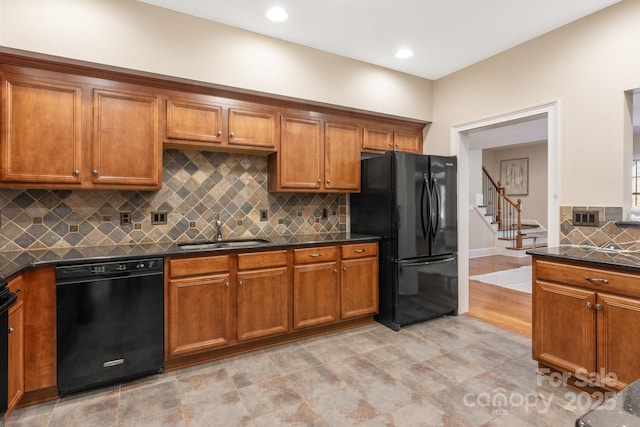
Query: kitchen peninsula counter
(13, 262)
(596, 256)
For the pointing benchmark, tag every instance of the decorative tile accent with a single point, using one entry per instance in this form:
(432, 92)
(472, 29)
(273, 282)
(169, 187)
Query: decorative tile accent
(197, 186)
(606, 234)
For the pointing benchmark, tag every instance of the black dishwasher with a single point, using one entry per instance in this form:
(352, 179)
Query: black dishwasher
(110, 325)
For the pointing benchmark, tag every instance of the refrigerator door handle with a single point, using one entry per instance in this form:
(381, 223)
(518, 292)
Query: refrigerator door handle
(414, 264)
(425, 195)
(435, 219)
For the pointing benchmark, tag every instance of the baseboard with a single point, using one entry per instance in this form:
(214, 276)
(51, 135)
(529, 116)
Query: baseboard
(477, 253)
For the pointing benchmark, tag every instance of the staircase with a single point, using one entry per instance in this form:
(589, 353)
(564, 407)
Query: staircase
(503, 215)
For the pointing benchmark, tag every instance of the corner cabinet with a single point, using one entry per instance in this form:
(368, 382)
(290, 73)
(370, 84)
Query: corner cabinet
(585, 322)
(316, 156)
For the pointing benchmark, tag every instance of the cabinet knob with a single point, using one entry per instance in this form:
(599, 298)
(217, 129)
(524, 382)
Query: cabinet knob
(18, 292)
(95, 171)
(397, 145)
(390, 145)
(76, 172)
(319, 180)
(11, 329)
(328, 181)
(589, 305)
(240, 283)
(219, 133)
(598, 306)
(344, 268)
(231, 135)
(335, 270)
(226, 284)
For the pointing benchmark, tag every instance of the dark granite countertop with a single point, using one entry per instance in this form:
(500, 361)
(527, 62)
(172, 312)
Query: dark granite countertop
(14, 262)
(604, 257)
(621, 410)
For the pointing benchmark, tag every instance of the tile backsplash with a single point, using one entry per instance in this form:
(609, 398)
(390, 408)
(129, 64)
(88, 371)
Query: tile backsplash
(198, 187)
(606, 234)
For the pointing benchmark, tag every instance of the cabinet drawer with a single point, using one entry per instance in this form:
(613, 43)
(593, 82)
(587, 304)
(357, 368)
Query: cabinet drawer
(588, 277)
(262, 260)
(359, 250)
(197, 266)
(319, 254)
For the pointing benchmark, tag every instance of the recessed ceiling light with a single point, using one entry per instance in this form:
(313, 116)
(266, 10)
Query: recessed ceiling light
(277, 14)
(404, 53)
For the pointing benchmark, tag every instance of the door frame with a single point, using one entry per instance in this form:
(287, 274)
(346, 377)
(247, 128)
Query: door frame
(460, 148)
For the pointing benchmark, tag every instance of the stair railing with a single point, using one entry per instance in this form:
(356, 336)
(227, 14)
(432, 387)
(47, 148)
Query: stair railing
(503, 210)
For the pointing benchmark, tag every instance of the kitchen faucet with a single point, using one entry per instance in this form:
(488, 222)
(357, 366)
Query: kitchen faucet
(218, 230)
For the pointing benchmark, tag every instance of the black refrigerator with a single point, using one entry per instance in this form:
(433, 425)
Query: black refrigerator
(410, 200)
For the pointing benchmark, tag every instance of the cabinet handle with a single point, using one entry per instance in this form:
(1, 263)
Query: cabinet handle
(589, 305)
(18, 292)
(76, 172)
(315, 255)
(596, 280)
(232, 134)
(95, 172)
(598, 306)
(219, 133)
(359, 251)
(240, 283)
(11, 329)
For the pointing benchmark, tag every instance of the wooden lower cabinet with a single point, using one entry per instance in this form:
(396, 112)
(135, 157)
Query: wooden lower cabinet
(315, 294)
(15, 388)
(359, 280)
(199, 304)
(591, 334)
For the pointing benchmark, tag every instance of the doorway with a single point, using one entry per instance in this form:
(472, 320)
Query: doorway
(460, 147)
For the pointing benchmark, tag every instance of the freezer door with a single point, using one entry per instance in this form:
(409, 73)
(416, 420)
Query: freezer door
(443, 209)
(426, 289)
(411, 172)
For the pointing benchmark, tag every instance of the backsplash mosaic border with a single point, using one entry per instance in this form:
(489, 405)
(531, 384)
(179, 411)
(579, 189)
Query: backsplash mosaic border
(198, 187)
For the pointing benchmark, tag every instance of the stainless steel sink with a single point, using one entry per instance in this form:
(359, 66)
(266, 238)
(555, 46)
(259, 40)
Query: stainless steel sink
(228, 243)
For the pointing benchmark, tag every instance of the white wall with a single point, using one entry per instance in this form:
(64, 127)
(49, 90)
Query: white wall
(586, 66)
(534, 205)
(135, 35)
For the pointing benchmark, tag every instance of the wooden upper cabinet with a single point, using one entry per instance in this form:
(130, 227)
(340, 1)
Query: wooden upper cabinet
(192, 121)
(208, 124)
(377, 139)
(126, 143)
(41, 132)
(342, 157)
(409, 142)
(385, 140)
(252, 128)
(316, 156)
(299, 161)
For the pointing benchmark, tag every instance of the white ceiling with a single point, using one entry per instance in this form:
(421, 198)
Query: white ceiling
(445, 35)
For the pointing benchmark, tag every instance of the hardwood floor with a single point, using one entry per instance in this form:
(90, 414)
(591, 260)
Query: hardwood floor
(501, 307)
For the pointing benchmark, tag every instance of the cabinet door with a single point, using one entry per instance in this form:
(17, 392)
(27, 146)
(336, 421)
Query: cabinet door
(359, 287)
(199, 313)
(342, 144)
(558, 309)
(409, 142)
(252, 128)
(315, 294)
(126, 146)
(377, 139)
(262, 303)
(618, 340)
(41, 132)
(194, 121)
(16, 354)
(300, 155)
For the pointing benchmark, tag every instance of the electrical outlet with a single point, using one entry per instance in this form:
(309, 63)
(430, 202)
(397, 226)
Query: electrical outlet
(192, 224)
(585, 217)
(158, 218)
(324, 213)
(125, 218)
(264, 215)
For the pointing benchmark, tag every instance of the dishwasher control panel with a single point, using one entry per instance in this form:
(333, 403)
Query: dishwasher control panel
(74, 272)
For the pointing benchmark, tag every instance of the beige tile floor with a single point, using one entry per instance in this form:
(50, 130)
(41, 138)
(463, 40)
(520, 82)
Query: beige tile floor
(452, 371)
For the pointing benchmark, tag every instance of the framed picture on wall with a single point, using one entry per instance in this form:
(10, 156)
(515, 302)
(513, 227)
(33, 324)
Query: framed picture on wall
(514, 176)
